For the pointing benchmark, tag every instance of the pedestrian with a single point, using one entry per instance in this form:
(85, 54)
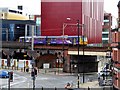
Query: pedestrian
(68, 86)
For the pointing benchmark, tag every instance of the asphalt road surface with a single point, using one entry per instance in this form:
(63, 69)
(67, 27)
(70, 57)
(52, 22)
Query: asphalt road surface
(24, 80)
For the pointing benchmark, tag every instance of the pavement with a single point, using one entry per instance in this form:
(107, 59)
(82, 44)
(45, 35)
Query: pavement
(56, 71)
(93, 84)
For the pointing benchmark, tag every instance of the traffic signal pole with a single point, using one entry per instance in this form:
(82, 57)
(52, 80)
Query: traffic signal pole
(10, 79)
(9, 83)
(34, 83)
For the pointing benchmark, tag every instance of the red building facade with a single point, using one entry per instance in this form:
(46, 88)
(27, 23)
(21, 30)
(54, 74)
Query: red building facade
(116, 58)
(116, 53)
(54, 14)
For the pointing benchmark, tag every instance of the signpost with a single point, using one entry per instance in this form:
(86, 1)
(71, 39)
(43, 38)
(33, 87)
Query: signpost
(45, 66)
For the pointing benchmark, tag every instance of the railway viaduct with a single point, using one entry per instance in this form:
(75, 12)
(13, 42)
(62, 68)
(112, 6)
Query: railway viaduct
(90, 58)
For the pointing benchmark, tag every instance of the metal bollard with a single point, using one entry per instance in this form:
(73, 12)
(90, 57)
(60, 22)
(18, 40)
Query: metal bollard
(78, 81)
(88, 88)
(45, 71)
(38, 70)
(103, 88)
(42, 88)
(55, 88)
(55, 72)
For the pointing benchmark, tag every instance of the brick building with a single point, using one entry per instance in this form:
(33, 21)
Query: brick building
(116, 53)
(106, 33)
(116, 57)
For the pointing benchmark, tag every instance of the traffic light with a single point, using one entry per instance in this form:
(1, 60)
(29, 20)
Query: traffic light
(11, 76)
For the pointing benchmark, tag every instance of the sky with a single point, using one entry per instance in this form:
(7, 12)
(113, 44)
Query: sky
(110, 6)
(34, 6)
(30, 6)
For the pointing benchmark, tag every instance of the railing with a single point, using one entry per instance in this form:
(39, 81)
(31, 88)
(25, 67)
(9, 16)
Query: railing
(15, 44)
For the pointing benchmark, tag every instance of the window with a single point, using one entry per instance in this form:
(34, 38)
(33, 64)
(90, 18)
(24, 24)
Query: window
(105, 30)
(105, 35)
(105, 41)
(38, 21)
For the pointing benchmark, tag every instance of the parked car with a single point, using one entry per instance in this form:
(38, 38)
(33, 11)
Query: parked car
(4, 74)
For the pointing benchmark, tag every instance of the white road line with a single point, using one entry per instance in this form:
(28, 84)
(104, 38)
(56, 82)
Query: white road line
(23, 79)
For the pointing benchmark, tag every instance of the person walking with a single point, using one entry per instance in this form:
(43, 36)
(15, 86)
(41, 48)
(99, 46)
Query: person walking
(68, 86)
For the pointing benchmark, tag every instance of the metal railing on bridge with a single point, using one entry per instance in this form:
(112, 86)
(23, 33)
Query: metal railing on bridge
(15, 44)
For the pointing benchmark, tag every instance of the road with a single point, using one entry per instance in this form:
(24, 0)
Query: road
(24, 80)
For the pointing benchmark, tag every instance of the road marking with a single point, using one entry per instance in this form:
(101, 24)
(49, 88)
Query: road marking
(14, 83)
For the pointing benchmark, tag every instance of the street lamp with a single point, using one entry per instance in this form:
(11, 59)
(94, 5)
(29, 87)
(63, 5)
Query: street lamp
(63, 33)
(80, 25)
(32, 42)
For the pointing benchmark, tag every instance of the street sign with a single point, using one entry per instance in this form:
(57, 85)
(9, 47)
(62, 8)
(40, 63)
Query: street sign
(46, 65)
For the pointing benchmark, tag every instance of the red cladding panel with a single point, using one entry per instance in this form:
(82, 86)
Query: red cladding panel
(54, 14)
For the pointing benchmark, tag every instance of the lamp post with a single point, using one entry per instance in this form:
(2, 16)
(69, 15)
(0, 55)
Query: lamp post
(63, 33)
(80, 25)
(32, 42)
(83, 61)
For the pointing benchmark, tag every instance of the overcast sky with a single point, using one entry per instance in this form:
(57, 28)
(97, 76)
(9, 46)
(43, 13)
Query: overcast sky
(110, 6)
(33, 6)
(30, 6)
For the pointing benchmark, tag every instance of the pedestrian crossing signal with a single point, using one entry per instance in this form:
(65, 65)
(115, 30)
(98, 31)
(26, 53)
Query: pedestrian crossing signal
(11, 76)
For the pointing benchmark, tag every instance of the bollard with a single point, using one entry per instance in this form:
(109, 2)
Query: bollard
(38, 70)
(42, 88)
(55, 88)
(88, 88)
(78, 82)
(55, 72)
(45, 71)
(103, 88)
(21, 69)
